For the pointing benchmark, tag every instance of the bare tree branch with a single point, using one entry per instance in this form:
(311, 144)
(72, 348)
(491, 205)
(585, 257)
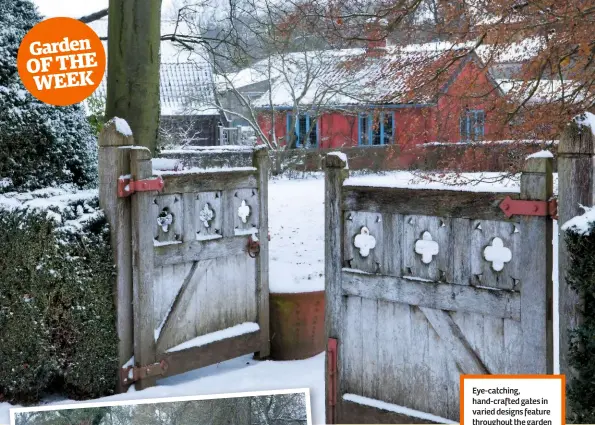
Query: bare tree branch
(94, 16)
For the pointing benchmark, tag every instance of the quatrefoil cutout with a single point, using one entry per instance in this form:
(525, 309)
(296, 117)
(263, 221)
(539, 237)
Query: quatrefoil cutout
(165, 220)
(497, 254)
(364, 241)
(206, 215)
(426, 247)
(244, 212)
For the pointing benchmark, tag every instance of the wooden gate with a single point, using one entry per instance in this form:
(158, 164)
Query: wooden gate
(192, 260)
(425, 285)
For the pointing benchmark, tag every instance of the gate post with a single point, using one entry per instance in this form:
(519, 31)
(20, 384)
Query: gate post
(336, 171)
(145, 353)
(261, 162)
(536, 275)
(113, 163)
(576, 180)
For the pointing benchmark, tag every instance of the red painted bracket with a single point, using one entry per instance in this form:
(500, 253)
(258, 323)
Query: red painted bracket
(131, 374)
(332, 380)
(533, 208)
(127, 186)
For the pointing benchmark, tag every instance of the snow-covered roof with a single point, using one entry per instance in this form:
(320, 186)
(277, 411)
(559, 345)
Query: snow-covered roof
(547, 91)
(349, 77)
(186, 89)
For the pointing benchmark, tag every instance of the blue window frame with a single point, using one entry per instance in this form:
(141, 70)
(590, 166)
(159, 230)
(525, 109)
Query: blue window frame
(305, 130)
(472, 127)
(376, 129)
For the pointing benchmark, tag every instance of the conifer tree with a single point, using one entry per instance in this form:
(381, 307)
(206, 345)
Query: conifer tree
(40, 145)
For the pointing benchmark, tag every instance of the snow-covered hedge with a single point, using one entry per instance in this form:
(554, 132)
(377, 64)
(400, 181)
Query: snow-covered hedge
(40, 145)
(57, 315)
(580, 237)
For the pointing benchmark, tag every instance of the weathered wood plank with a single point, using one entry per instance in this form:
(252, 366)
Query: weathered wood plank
(440, 203)
(167, 204)
(369, 357)
(461, 254)
(209, 182)
(576, 186)
(114, 161)
(216, 352)
(142, 265)
(262, 164)
(180, 305)
(352, 349)
(354, 223)
(483, 234)
(335, 174)
(536, 278)
(455, 342)
(504, 304)
(222, 301)
(243, 198)
(199, 250)
(211, 202)
(354, 413)
(438, 230)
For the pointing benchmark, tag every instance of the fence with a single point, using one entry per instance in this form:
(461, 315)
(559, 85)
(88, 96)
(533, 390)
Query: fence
(239, 135)
(192, 260)
(425, 285)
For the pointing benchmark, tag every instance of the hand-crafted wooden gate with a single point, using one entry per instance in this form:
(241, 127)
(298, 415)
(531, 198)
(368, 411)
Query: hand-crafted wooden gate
(199, 247)
(425, 285)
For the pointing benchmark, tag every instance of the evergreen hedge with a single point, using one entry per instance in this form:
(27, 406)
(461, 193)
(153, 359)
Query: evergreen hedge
(580, 239)
(57, 313)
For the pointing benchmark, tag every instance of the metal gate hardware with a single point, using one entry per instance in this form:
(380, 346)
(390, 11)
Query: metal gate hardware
(131, 374)
(534, 208)
(332, 379)
(127, 186)
(253, 247)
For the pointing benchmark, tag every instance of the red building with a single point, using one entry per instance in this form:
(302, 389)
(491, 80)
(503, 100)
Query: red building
(381, 95)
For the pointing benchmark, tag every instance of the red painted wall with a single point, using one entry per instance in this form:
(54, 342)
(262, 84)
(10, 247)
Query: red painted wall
(414, 125)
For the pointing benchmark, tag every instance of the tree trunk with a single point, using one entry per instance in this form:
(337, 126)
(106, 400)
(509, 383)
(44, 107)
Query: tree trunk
(134, 33)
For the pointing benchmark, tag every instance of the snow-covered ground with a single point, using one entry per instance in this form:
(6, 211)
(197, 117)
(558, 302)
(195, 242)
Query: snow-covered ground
(234, 376)
(297, 265)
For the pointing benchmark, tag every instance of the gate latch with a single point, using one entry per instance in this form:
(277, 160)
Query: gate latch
(131, 374)
(127, 186)
(533, 208)
(253, 246)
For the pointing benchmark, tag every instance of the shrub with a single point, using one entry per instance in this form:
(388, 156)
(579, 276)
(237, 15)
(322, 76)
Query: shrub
(40, 145)
(57, 314)
(580, 239)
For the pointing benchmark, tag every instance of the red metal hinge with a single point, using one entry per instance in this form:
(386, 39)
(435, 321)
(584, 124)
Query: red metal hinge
(131, 374)
(127, 186)
(535, 208)
(332, 380)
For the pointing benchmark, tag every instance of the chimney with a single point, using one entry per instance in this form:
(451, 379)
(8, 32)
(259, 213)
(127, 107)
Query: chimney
(376, 35)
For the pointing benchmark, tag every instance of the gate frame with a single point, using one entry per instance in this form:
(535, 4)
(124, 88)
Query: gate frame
(536, 191)
(119, 160)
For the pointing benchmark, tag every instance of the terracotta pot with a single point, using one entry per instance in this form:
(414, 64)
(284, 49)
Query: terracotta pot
(297, 325)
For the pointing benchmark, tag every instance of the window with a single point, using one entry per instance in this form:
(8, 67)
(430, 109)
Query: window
(376, 129)
(472, 126)
(306, 130)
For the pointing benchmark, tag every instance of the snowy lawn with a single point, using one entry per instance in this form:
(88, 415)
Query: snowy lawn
(297, 265)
